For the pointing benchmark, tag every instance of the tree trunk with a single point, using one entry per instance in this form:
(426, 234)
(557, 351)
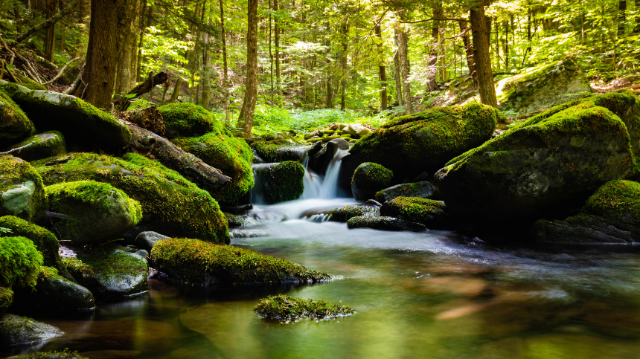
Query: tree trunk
(636, 29)
(50, 40)
(225, 80)
(147, 86)
(176, 90)
(481, 28)
(382, 75)
(127, 29)
(622, 18)
(329, 103)
(403, 51)
(434, 48)
(276, 31)
(468, 47)
(271, 52)
(145, 20)
(245, 120)
(344, 29)
(206, 76)
(84, 10)
(396, 65)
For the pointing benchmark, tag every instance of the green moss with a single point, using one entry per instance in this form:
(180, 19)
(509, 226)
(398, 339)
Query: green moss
(278, 150)
(161, 192)
(283, 182)
(372, 175)
(40, 146)
(14, 124)
(191, 260)
(44, 240)
(19, 262)
(6, 298)
(285, 308)
(76, 266)
(111, 266)
(347, 212)
(616, 200)
(29, 83)
(21, 189)
(420, 210)
(65, 354)
(229, 154)
(187, 119)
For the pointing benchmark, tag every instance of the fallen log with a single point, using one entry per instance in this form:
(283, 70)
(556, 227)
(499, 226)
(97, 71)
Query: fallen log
(148, 118)
(122, 103)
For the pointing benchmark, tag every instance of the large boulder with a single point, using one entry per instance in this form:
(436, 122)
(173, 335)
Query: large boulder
(368, 179)
(279, 150)
(79, 121)
(432, 214)
(547, 167)
(21, 190)
(188, 120)
(320, 157)
(14, 124)
(20, 262)
(279, 182)
(170, 203)
(422, 189)
(425, 141)
(384, 223)
(146, 240)
(94, 212)
(36, 147)
(15, 330)
(542, 87)
(231, 155)
(610, 216)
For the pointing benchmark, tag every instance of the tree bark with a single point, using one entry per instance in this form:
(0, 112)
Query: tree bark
(344, 31)
(434, 48)
(245, 120)
(143, 24)
(176, 90)
(636, 29)
(50, 39)
(329, 103)
(127, 26)
(225, 80)
(480, 28)
(396, 65)
(622, 18)
(403, 52)
(276, 32)
(382, 75)
(468, 47)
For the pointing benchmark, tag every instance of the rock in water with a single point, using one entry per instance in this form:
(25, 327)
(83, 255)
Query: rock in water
(432, 214)
(279, 150)
(37, 147)
(187, 120)
(347, 212)
(280, 182)
(79, 121)
(146, 240)
(422, 189)
(94, 212)
(21, 189)
(546, 166)
(15, 330)
(610, 216)
(368, 179)
(384, 223)
(14, 124)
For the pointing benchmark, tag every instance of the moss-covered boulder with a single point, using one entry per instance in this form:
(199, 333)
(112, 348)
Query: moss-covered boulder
(45, 241)
(108, 271)
(202, 263)
(345, 213)
(37, 147)
(14, 124)
(231, 155)
(15, 330)
(279, 150)
(188, 120)
(95, 212)
(53, 295)
(79, 121)
(368, 179)
(424, 141)
(52, 355)
(542, 87)
(20, 262)
(422, 189)
(540, 169)
(384, 223)
(610, 216)
(170, 204)
(6, 298)
(279, 182)
(284, 308)
(21, 189)
(432, 214)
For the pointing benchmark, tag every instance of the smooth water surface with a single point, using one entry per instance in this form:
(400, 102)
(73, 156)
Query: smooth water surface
(417, 295)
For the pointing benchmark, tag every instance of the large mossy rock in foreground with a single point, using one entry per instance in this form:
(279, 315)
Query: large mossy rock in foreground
(542, 87)
(432, 214)
(610, 216)
(15, 330)
(14, 124)
(20, 262)
(79, 121)
(94, 212)
(196, 262)
(424, 141)
(541, 169)
(21, 189)
(187, 120)
(368, 179)
(279, 182)
(37, 147)
(173, 204)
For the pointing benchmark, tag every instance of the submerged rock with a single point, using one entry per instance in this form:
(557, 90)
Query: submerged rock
(15, 330)
(432, 214)
(42, 145)
(284, 308)
(384, 223)
(195, 262)
(14, 124)
(345, 213)
(94, 212)
(186, 120)
(280, 182)
(146, 240)
(422, 189)
(21, 189)
(368, 179)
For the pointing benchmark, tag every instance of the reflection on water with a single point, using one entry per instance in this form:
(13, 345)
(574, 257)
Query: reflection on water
(429, 295)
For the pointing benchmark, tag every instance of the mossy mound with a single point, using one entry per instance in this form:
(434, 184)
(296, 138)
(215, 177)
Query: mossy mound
(95, 212)
(368, 179)
(190, 261)
(108, 271)
(79, 121)
(432, 214)
(280, 182)
(384, 223)
(29, 83)
(422, 189)
(21, 189)
(20, 262)
(14, 124)
(279, 150)
(284, 308)
(42, 145)
(52, 355)
(175, 204)
(347, 212)
(229, 154)
(188, 120)
(15, 330)
(541, 169)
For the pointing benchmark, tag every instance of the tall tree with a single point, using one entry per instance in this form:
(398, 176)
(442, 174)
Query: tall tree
(468, 48)
(245, 120)
(403, 59)
(435, 45)
(382, 75)
(481, 30)
(225, 78)
(128, 27)
(50, 39)
(622, 18)
(344, 32)
(276, 32)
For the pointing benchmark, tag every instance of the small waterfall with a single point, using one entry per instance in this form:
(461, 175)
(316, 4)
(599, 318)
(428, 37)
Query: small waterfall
(258, 188)
(315, 186)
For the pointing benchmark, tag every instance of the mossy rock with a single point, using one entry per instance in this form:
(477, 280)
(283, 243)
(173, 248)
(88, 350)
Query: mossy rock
(432, 214)
(283, 308)
(79, 121)
(541, 169)
(368, 179)
(45, 241)
(14, 124)
(188, 120)
(422, 189)
(191, 261)
(345, 213)
(21, 189)
(280, 182)
(15, 330)
(6, 298)
(231, 155)
(37, 147)
(610, 216)
(109, 271)
(279, 150)
(95, 212)
(29, 83)
(384, 223)
(175, 205)
(20, 262)
(234, 220)
(53, 295)
(52, 355)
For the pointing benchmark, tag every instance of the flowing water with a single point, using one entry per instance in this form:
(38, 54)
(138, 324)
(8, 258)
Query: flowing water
(417, 295)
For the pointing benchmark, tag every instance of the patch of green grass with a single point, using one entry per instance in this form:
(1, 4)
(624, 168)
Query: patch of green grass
(285, 308)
